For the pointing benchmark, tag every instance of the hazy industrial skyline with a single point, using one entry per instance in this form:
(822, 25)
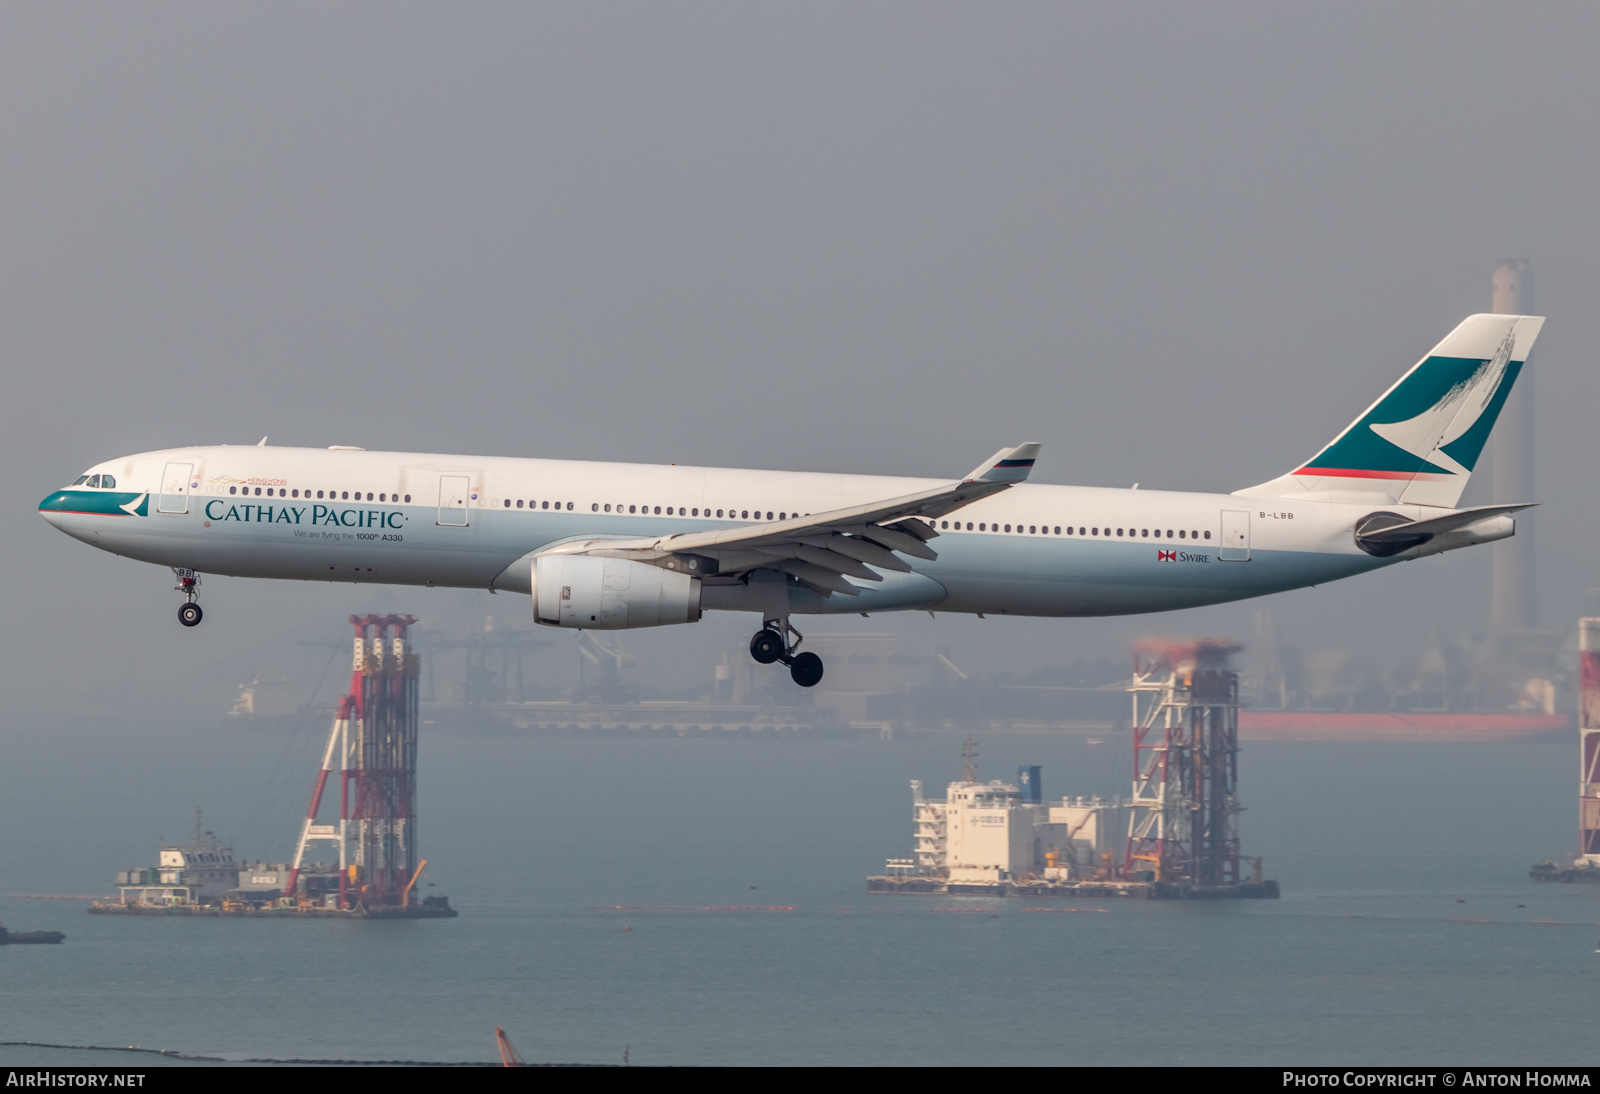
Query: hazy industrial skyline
(1179, 247)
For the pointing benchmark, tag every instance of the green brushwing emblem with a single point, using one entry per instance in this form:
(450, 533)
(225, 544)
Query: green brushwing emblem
(1435, 422)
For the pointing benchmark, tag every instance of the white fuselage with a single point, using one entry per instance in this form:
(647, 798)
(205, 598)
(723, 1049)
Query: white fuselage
(468, 521)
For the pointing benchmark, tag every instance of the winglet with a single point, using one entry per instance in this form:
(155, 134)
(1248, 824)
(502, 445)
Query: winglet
(1006, 465)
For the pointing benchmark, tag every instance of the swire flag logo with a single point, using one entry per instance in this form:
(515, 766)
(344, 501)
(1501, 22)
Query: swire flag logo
(1166, 556)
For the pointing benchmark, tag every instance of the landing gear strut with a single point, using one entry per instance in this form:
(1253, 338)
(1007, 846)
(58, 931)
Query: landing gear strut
(189, 614)
(772, 643)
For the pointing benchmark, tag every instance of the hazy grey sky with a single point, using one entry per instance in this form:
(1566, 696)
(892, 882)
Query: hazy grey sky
(1179, 244)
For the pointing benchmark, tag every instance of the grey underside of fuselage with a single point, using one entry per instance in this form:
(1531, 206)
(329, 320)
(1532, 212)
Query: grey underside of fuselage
(975, 572)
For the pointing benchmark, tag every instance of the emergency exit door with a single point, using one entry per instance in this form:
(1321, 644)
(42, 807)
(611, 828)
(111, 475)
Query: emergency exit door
(1235, 536)
(455, 492)
(176, 485)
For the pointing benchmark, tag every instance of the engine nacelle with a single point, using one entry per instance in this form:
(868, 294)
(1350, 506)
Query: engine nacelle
(610, 594)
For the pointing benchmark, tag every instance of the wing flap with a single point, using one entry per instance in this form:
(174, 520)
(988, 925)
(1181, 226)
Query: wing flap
(862, 550)
(817, 577)
(896, 540)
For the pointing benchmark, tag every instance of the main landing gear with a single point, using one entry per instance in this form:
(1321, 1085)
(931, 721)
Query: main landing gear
(189, 614)
(771, 643)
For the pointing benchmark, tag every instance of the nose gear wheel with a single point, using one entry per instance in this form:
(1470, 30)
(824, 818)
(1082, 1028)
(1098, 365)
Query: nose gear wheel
(189, 613)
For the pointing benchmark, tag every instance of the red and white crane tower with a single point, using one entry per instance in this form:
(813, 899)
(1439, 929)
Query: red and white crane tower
(1589, 743)
(1182, 826)
(374, 740)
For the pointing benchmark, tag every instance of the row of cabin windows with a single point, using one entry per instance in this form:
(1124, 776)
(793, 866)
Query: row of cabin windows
(103, 482)
(647, 510)
(106, 482)
(1094, 530)
(982, 526)
(333, 495)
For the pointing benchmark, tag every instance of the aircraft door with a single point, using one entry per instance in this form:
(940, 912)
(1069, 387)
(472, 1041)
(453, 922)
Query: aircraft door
(1235, 536)
(176, 486)
(454, 492)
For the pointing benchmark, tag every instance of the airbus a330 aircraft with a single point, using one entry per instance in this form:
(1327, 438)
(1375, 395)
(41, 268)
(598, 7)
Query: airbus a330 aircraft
(612, 545)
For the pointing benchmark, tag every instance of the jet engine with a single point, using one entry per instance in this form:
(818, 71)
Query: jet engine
(586, 592)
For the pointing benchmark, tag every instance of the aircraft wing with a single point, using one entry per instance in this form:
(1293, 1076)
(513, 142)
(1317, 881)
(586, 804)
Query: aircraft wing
(823, 549)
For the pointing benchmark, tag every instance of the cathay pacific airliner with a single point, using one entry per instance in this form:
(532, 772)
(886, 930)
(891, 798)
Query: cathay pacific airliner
(615, 545)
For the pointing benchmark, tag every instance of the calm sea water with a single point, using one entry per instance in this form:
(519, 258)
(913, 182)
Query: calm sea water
(1408, 931)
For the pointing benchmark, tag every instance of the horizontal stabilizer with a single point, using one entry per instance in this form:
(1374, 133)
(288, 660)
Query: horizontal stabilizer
(1451, 521)
(1386, 534)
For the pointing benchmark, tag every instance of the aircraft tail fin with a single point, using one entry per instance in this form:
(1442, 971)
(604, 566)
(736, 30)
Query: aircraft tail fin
(1418, 444)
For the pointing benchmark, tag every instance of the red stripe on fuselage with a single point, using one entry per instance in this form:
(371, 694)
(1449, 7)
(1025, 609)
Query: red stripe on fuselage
(1361, 473)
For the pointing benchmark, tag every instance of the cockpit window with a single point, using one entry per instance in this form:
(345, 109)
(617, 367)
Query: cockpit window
(80, 480)
(94, 480)
(107, 482)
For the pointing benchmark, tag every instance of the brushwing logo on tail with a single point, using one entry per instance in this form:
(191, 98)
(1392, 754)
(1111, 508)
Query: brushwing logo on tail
(1429, 435)
(1432, 426)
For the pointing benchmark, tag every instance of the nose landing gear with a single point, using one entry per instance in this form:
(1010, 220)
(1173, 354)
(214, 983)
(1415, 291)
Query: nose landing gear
(771, 643)
(189, 613)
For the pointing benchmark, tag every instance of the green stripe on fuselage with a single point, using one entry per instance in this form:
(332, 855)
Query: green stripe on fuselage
(105, 503)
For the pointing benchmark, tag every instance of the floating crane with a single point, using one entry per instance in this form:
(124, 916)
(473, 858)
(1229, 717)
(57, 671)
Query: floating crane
(508, 1055)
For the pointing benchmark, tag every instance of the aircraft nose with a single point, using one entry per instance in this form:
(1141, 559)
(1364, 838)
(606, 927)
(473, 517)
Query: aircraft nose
(62, 514)
(51, 509)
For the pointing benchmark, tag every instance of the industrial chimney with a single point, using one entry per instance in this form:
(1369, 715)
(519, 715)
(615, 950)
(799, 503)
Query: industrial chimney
(1513, 606)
